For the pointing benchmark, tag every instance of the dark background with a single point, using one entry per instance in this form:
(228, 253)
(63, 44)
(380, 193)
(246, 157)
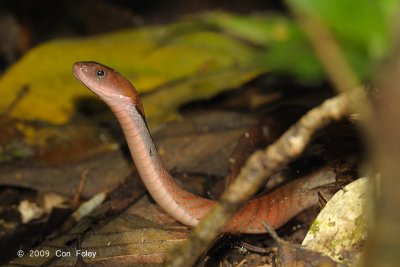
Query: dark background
(26, 23)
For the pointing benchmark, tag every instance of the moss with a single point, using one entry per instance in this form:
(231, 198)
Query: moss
(315, 227)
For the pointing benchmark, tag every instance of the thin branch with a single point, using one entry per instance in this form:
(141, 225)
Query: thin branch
(326, 48)
(21, 93)
(329, 53)
(259, 166)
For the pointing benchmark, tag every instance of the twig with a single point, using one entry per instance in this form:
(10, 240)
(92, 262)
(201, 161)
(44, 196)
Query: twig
(273, 234)
(19, 96)
(78, 192)
(256, 249)
(259, 166)
(289, 254)
(327, 49)
(329, 53)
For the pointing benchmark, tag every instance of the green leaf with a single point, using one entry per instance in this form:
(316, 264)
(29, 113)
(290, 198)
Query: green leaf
(362, 27)
(196, 58)
(283, 45)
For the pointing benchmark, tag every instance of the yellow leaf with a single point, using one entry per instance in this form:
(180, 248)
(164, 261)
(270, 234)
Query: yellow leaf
(169, 66)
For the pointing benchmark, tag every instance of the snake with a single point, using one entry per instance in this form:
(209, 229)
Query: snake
(275, 208)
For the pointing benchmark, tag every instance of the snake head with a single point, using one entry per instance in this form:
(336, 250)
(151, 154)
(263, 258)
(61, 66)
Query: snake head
(106, 83)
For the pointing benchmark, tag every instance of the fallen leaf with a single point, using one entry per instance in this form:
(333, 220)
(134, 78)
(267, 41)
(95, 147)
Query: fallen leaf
(159, 60)
(29, 211)
(340, 228)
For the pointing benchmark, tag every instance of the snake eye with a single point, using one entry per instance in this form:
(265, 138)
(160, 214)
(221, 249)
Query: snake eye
(100, 73)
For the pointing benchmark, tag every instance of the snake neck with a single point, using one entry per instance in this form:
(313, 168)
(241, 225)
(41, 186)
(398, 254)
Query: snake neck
(163, 188)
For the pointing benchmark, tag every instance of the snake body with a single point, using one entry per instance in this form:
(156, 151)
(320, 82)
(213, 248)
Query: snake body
(121, 96)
